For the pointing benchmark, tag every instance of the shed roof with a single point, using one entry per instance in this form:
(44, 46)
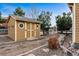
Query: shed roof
(70, 5)
(24, 19)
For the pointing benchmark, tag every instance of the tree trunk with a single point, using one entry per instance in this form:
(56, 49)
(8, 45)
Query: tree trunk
(43, 32)
(66, 32)
(61, 32)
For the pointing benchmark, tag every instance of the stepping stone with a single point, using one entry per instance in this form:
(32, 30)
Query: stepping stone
(46, 50)
(31, 54)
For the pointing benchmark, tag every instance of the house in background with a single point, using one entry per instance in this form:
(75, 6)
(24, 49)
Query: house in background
(3, 26)
(75, 13)
(22, 28)
(3, 23)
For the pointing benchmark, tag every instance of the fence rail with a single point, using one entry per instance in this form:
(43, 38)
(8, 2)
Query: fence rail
(3, 31)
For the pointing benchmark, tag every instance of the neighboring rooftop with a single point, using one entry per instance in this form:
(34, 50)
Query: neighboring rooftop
(4, 19)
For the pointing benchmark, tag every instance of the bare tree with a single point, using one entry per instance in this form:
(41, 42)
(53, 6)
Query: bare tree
(33, 13)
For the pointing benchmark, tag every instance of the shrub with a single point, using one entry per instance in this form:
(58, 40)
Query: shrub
(53, 42)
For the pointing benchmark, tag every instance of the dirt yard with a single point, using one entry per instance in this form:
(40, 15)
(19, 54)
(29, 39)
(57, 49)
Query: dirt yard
(11, 48)
(45, 51)
(5, 38)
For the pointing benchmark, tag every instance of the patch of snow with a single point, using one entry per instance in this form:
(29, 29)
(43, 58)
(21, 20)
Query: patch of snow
(46, 50)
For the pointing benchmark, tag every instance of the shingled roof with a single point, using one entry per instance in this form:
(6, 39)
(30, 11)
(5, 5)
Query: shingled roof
(24, 19)
(70, 5)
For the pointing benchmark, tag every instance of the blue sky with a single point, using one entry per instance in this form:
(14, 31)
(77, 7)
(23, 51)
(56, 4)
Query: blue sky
(55, 8)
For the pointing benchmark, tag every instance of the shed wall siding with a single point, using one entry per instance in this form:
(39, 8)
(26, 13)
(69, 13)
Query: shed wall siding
(77, 22)
(29, 32)
(20, 32)
(11, 28)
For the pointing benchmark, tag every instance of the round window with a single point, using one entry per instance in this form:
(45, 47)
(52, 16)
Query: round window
(21, 25)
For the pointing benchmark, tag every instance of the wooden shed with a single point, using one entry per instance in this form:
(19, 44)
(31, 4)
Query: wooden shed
(23, 28)
(75, 12)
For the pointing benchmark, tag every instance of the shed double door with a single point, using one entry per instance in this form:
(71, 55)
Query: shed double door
(30, 30)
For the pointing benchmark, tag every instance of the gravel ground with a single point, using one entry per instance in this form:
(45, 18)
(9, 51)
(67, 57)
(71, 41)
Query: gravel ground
(5, 39)
(41, 52)
(51, 52)
(68, 45)
(68, 41)
(16, 48)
